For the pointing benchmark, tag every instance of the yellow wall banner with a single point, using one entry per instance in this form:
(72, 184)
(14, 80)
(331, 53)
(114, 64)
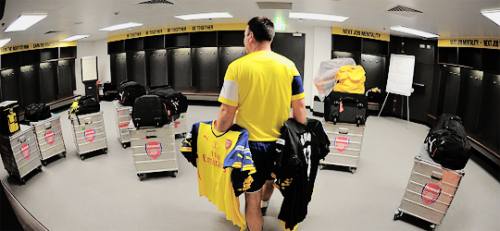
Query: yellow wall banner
(179, 29)
(470, 42)
(361, 33)
(35, 46)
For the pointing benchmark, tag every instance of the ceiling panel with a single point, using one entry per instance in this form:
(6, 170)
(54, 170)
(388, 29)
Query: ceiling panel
(448, 18)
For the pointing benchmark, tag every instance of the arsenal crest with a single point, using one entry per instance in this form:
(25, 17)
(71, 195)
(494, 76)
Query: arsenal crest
(430, 193)
(228, 143)
(25, 150)
(89, 135)
(153, 149)
(341, 143)
(50, 137)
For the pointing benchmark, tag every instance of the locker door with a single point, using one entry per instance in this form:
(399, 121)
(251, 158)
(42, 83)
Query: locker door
(30, 85)
(452, 89)
(158, 67)
(226, 56)
(375, 71)
(10, 84)
(205, 69)
(65, 78)
(490, 110)
(420, 99)
(118, 66)
(136, 67)
(292, 47)
(180, 60)
(48, 82)
(472, 98)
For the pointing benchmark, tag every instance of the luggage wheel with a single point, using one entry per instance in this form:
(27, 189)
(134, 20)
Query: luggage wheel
(22, 180)
(432, 227)
(63, 154)
(352, 169)
(174, 173)
(82, 157)
(39, 168)
(44, 162)
(398, 214)
(105, 150)
(141, 176)
(321, 166)
(124, 145)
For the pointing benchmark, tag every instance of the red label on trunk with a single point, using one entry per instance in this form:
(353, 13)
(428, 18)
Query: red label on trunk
(153, 149)
(50, 137)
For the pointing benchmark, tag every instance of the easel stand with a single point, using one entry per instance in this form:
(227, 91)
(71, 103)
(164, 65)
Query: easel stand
(407, 107)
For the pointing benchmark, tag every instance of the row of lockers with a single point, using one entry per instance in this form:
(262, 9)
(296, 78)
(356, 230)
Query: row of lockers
(38, 83)
(475, 96)
(30, 57)
(192, 69)
(186, 69)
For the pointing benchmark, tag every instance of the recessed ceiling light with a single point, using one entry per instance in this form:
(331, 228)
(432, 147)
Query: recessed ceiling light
(493, 15)
(326, 17)
(414, 32)
(121, 26)
(204, 16)
(25, 21)
(4, 41)
(74, 38)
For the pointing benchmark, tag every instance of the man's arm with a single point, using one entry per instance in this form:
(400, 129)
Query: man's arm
(226, 117)
(299, 110)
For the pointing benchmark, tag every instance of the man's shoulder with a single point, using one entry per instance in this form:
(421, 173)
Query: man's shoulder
(283, 59)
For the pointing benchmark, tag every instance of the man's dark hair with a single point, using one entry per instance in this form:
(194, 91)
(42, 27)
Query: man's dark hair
(262, 28)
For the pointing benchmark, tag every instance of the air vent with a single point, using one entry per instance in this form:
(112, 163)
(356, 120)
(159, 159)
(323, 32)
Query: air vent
(404, 11)
(52, 32)
(275, 5)
(156, 2)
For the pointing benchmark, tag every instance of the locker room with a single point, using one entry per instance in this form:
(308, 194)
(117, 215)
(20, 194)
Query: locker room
(456, 71)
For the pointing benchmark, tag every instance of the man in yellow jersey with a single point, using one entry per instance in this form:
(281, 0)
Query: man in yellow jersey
(261, 86)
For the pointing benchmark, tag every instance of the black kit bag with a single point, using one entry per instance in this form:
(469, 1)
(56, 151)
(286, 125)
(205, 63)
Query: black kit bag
(447, 142)
(36, 112)
(129, 91)
(176, 102)
(345, 108)
(149, 110)
(86, 105)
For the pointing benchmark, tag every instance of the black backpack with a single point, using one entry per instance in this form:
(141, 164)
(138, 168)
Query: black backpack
(129, 91)
(87, 104)
(36, 111)
(175, 101)
(447, 142)
(149, 110)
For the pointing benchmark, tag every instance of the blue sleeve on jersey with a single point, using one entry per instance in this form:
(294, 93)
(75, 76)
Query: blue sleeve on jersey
(297, 87)
(235, 157)
(189, 145)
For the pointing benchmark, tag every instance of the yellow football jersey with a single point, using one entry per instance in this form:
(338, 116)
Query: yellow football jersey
(224, 166)
(262, 85)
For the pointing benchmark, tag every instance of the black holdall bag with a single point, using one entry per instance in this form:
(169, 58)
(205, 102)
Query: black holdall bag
(88, 104)
(345, 108)
(447, 142)
(176, 102)
(36, 112)
(149, 110)
(129, 91)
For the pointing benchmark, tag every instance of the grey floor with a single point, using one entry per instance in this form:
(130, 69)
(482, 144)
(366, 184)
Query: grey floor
(104, 193)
